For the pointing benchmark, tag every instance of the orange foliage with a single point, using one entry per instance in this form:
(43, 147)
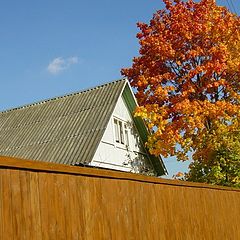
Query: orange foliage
(187, 75)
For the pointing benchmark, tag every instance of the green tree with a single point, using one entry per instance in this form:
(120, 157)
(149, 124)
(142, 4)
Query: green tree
(222, 166)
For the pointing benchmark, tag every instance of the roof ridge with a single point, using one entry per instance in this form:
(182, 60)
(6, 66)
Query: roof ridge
(62, 96)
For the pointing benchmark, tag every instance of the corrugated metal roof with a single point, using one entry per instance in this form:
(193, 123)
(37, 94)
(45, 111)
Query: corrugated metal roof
(65, 130)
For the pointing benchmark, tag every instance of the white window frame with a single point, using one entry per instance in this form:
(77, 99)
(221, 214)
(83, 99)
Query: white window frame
(121, 132)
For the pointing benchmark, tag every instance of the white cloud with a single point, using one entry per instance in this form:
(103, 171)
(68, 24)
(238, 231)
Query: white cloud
(60, 64)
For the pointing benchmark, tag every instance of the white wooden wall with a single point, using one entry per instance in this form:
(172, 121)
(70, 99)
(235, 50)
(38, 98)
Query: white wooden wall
(113, 155)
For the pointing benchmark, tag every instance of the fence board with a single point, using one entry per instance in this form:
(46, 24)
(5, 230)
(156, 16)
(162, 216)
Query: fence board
(6, 198)
(34, 205)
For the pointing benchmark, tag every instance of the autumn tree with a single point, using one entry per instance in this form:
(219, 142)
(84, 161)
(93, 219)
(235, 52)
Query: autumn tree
(187, 77)
(222, 165)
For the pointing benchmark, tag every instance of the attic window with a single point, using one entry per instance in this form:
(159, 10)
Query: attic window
(121, 132)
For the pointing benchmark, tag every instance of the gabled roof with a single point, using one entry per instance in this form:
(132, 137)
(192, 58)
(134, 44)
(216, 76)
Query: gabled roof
(65, 129)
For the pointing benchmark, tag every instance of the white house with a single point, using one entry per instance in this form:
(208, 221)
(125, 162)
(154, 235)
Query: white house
(94, 127)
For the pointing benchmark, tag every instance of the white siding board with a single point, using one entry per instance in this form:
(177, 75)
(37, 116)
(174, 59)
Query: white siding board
(110, 154)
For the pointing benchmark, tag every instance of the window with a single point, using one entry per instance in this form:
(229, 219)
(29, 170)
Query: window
(121, 132)
(126, 135)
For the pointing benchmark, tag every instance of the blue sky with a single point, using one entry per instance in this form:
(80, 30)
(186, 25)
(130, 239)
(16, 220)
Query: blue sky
(50, 48)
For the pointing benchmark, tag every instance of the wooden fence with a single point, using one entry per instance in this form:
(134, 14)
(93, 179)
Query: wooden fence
(49, 201)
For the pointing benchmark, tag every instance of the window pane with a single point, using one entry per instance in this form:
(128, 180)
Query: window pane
(126, 135)
(121, 132)
(116, 130)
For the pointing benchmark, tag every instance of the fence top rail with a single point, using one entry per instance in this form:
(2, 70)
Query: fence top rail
(39, 166)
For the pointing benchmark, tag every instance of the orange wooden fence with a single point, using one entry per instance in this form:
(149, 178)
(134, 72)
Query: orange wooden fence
(48, 201)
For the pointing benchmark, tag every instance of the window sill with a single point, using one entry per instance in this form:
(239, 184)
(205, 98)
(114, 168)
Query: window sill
(121, 146)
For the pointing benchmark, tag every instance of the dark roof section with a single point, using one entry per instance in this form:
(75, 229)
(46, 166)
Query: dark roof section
(65, 130)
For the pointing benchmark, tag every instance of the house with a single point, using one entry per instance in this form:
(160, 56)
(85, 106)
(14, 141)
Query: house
(94, 127)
